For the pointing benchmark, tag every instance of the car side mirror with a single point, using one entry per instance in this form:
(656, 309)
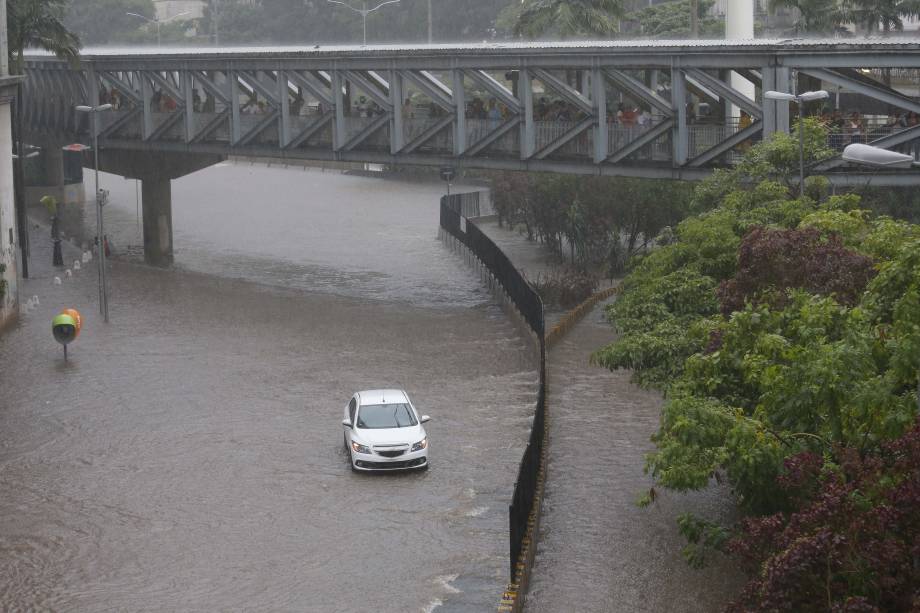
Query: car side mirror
(346, 423)
(425, 418)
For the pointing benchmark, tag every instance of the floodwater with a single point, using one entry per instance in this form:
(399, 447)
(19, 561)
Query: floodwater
(598, 550)
(189, 455)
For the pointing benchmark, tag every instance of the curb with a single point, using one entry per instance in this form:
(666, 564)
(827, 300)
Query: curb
(512, 599)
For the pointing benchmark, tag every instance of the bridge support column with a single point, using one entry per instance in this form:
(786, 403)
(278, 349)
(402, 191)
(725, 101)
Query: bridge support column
(157, 204)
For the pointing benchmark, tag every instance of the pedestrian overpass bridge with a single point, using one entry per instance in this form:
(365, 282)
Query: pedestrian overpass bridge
(657, 109)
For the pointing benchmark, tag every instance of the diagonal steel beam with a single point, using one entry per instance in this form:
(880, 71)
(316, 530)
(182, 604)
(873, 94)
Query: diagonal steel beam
(423, 81)
(212, 88)
(649, 137)
(495, 88)
(370, 89)
(753, 76)
(427, 134)
(582, 126)
(320, 91)
(878, 93)
(563, 89)
(164, 127)
(123, 88)
(726, 92)
(250, 79)
(260, 127)
(366, 133)
(493, 136)
(638, 88)
(312, 129)
(119, 123)
(178, 96)
(212, 125)
(726, 145)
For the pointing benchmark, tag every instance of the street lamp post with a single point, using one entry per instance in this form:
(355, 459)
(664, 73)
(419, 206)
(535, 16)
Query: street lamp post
(800, 100)
(156, 20)
(363, 12)
(100, 195)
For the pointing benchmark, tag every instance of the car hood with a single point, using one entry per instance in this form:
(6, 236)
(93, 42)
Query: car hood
(390, 436)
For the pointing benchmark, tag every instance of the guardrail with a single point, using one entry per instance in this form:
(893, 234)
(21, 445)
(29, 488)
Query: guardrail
(523, 512)
(525, 508)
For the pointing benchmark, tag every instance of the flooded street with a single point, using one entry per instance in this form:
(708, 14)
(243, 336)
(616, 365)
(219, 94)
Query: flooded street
(598, 550)
(189, 455)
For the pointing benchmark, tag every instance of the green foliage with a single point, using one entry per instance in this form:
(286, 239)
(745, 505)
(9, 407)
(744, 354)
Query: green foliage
(800, 373)
(672, 20)
(562, 19)
(814, 16)
(38, 24)
(596, 223)
(702, 537)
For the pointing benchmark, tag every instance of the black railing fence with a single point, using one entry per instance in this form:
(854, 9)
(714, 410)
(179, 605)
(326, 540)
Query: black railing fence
(466, 204)
(530, 306)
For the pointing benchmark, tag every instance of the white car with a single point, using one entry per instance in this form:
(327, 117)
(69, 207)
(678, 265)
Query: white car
(383, 431)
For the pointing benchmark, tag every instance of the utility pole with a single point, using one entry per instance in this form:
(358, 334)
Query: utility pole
(429, 22)
(694, 18)
(215, 17)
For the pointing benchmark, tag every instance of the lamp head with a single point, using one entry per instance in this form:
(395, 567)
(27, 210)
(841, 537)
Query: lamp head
(772, 95)
(868, 155)
(816, 95)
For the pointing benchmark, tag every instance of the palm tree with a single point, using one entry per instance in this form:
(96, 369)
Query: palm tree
(567, 18)
(815, 16)
(869, 15)
(33, 24)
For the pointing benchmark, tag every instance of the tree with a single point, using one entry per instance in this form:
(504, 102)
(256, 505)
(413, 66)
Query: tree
(39, 24)
(870, 14)
(564, 18)
(815, 16)
(98, 22)
(672, 20)
(851, 544)
(33, 23)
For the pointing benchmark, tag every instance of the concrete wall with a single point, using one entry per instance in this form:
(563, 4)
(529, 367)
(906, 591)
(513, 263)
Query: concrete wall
(8, 252)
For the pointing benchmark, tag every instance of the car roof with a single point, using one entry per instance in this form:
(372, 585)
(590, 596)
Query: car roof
(383, 396)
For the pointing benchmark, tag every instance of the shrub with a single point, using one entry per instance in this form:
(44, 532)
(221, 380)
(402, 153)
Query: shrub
(565, 289)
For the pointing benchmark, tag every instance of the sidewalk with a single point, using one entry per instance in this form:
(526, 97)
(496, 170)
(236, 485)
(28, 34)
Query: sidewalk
(598, 551)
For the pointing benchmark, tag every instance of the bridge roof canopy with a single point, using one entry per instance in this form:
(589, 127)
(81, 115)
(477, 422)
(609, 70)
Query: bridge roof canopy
(512, 48)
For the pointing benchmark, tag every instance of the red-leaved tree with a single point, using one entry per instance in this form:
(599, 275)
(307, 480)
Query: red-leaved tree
(853, 544)
(773, 261)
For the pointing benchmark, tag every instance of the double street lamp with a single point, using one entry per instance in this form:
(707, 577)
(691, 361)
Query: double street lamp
(800, 100)
(158, 21)
(364, 13)
(100, 198)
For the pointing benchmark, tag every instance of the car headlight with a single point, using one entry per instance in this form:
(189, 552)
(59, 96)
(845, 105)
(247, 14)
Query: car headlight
(420, 445)
(359, 448)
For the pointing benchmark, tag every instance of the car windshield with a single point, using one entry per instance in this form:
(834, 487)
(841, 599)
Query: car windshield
(395, 415)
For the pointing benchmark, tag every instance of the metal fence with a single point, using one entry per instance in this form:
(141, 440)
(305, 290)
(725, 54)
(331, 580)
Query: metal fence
(530, 306)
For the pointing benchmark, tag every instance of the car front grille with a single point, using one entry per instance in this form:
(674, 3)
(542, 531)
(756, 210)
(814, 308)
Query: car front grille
(390, 453)
(391, 465)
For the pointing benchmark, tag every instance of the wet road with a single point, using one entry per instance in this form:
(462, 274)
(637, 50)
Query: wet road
(598, 550)
(189, 455)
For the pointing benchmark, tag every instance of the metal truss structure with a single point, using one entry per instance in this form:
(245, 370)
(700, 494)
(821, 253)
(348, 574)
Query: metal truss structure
(542, 107)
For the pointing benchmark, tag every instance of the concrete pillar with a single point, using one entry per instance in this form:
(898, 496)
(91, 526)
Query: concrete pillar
(156, 194)
(739, 25)
(8, 247)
